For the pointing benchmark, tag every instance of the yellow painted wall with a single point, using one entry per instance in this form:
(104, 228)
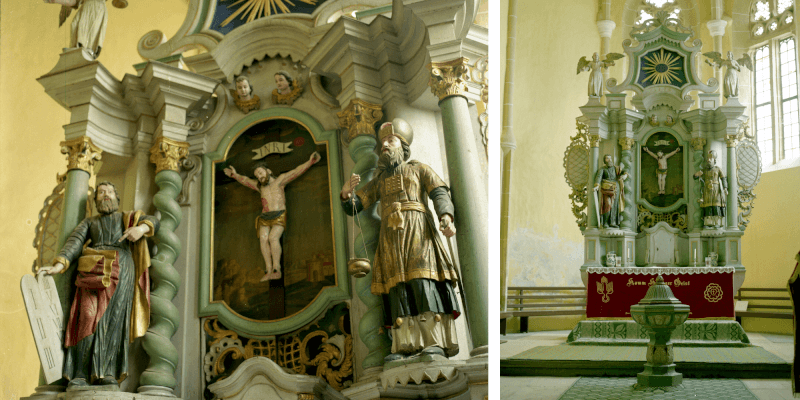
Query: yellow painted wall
(545, 245)
(30, 132)
(772, 239)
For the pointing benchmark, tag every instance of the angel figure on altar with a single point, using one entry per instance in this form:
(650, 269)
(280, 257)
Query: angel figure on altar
(730, 87)
(89, 24)
(596, 66)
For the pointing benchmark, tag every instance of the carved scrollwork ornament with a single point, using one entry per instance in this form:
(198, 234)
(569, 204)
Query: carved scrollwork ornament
(331, 357)
(480, 75)
(167, 154)
(676, 219)
(698, 144)
(449, 78)
(193, 164)
(662, 18)
(576, 172)
(359, 118)
(81, 153)
(626, 143)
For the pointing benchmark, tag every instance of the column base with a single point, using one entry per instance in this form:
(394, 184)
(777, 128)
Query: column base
(658, 376)
(482, 351)
(159, 391)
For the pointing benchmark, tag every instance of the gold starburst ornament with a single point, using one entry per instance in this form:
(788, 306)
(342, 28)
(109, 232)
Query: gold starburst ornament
(254, 9)
(661, 67)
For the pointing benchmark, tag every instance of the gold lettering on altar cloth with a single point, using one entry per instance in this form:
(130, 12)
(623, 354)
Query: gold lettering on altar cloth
(270, 148)
(676, 283)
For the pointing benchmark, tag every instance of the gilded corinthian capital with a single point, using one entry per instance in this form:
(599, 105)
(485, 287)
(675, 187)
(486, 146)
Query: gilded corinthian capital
(626, 143)
(359, 118)
(698, 144)
(168, 153)
(594, 140)
(81, 153)
(449, 78)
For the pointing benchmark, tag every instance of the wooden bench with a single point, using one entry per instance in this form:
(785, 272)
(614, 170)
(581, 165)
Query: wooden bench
(766, 307)
(544, 301)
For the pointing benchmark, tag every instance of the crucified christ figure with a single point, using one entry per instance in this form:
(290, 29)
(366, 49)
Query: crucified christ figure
(661, 172)
(272, 221)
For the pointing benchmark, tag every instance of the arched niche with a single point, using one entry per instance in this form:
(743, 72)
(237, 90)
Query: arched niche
(229, 252)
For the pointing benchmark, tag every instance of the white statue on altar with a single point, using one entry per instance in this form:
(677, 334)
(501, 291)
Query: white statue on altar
(596, 66)
(89, 24)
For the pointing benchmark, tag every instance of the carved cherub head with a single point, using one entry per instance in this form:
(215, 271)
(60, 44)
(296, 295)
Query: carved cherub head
(284, 82)
(244, 91)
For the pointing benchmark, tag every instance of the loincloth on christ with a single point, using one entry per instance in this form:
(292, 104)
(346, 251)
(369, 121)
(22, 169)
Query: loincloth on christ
(271, 218)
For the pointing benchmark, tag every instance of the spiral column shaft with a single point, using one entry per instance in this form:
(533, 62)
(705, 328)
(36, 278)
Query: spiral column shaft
(159, 376)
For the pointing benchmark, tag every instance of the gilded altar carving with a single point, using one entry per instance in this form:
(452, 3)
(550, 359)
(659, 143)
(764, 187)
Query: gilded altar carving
(167, 154)
(594, 140)
(576, 167)
(81, 153)
(449, 78)
(359, 118)
(698, 144)
(676, 219)
(309, 351)
(626, 143)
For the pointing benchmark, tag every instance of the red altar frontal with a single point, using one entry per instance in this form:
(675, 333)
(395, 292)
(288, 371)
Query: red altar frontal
(612, 291)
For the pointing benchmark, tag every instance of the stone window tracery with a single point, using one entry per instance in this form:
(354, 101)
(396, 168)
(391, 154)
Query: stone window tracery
(770, 16)
(649, 8)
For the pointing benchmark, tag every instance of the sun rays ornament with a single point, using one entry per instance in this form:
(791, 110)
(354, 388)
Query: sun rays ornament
(254, 9)
(662, 67)
(660, 54)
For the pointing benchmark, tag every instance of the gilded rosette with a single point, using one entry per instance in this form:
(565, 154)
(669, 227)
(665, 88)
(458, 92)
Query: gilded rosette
(359, 118)
(626, 143)
(81, 153)
(449, 78)
(167, 154)
(698, 144)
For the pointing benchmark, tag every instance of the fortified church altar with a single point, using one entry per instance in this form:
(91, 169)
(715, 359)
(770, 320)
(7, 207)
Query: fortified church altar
(662, 171)
(299, 92)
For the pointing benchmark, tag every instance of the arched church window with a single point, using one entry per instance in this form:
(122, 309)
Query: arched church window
(775, 99)
(649, 8)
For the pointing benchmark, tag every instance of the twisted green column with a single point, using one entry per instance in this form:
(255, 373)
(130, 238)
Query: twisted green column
(629, 212)
(369, 327)
(159, 377)
(359, 119)
(698, 144)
